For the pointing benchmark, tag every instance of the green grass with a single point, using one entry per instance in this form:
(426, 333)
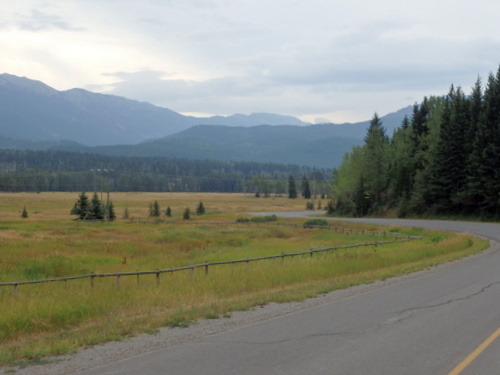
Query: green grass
(50, 319)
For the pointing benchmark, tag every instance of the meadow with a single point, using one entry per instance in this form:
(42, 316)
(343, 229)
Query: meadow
(48, 319)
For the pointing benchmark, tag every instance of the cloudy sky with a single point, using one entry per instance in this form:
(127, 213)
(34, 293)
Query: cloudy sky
(336, 60)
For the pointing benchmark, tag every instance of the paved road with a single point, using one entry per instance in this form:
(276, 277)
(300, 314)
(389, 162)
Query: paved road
(427, 324)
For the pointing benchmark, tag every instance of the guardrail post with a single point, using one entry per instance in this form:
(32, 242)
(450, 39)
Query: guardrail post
(206, 268)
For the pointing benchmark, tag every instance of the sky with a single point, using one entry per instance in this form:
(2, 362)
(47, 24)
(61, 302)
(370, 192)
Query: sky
(318, 60)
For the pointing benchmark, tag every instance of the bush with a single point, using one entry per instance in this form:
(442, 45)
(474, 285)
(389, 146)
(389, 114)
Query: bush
(242, 220)
(258, 219)
(316, 223)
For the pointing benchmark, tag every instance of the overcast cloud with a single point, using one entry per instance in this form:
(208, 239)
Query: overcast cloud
(328, 59)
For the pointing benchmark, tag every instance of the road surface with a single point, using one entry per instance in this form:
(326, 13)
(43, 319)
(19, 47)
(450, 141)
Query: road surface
(445, 321)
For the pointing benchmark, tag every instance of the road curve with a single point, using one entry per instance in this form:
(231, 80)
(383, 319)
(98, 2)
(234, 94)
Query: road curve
(427, 324)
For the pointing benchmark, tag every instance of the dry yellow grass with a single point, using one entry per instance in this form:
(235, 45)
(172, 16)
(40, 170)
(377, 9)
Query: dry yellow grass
(51, 319)
(48, 205)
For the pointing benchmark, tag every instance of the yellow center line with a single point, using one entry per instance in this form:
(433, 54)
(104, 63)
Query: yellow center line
(472, 356)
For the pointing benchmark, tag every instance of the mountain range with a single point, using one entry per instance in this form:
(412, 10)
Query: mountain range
(35, 116)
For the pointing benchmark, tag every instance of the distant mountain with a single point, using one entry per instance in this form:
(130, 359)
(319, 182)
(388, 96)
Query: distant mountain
(321, 146)
(33, 111)
(36, 116)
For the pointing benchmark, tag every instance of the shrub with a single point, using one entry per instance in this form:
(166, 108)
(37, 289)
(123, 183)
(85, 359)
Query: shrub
(316, 223)
(258, 219)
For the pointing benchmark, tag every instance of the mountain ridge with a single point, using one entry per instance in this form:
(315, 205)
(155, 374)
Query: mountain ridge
(35, 111)
(35, 116)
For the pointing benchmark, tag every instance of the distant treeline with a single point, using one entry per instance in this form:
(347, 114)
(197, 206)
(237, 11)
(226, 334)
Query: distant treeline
(72, 171)
(444, 160)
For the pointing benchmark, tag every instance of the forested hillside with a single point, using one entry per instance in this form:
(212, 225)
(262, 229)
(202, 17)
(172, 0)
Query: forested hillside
(443, 160)
(71, 171)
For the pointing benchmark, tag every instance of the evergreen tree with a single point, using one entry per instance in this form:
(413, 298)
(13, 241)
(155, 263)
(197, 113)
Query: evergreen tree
(448, 171)
(292, 188)
(125, 213)
(200, 210)
(375, 167)
(154, 209)
(484, 184)
(306, 191)
(111, 212)
(401, 166)
(24, 214)
(96, 208)
(168, 213)
(83, 207)
(186, 215)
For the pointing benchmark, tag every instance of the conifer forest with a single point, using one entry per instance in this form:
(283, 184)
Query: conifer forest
(443, 161)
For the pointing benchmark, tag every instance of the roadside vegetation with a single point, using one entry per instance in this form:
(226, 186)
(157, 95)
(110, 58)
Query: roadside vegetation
(55, 318)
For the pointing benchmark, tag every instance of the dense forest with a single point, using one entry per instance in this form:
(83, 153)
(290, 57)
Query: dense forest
(444, 160)
(72, 171)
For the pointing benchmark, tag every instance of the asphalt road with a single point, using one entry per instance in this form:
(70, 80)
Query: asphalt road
(445, 321)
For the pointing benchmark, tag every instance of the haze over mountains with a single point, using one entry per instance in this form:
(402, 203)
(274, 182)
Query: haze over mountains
(36, 116)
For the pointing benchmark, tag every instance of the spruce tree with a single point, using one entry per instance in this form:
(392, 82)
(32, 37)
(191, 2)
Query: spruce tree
(111, 212)
(485, 184)
(154, 209)
(82, 207)
(375, 167)
(306, 191)
(186, 215)
(96, 208)
(448, 165)
(168, 212)
(24, 214)
(200, 210)
(292, 188)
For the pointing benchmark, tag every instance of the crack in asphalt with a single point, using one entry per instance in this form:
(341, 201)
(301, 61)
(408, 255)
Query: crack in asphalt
(401, 316)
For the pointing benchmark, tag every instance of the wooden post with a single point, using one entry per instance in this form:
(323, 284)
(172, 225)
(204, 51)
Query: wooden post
(206, 268)
(137, 277)
(92, 275)
(15, 290)
(117, 281)
(157, 279)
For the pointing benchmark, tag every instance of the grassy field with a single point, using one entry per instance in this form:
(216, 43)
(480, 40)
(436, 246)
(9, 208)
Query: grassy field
(48, 319)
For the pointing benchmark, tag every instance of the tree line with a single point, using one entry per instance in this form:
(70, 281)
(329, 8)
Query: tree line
(444, 160)
(73, 171)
